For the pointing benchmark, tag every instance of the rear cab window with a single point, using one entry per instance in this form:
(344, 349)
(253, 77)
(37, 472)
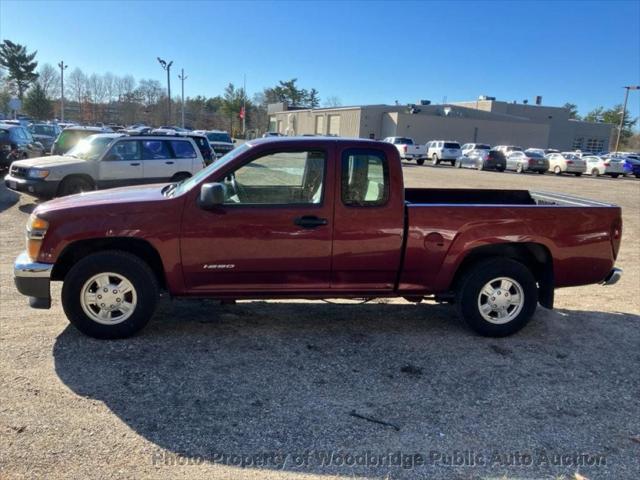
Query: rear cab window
(451, 145)
(364, 178)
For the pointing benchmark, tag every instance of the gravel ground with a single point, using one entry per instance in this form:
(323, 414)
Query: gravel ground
(288, 390)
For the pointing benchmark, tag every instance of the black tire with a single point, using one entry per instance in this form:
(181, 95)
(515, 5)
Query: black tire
(469, 290)
(578, 174)
(453, 162)
(420, 161)
(501, 169)
(129, 266)
(557, 170)
(178, 177)
(595, 172)
(73, 185)
(637, 175)
(541, 172)
(615, 175)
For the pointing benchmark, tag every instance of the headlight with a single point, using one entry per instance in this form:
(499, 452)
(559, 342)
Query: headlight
(37, 173)
(36, 229)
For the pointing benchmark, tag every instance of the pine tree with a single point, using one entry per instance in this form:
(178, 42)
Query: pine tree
(20, 65)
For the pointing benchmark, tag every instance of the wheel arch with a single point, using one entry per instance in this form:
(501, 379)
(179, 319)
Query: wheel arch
(135, 246)
(71, 176)
(534, 256)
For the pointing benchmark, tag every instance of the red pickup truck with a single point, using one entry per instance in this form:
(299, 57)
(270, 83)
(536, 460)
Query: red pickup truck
(313, 218)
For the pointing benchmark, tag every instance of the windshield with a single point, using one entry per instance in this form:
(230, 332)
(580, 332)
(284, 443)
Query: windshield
(219, 137)
(533, 154)
(190, 182)
(90, 148)
(401, 141)
(48, 130)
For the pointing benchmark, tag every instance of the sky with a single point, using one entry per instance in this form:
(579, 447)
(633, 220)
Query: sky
(581, 52)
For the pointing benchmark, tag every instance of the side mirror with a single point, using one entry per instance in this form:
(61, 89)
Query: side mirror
(113, 157)
(211, 195)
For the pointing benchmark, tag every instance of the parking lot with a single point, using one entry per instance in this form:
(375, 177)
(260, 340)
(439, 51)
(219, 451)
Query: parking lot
(295, 389)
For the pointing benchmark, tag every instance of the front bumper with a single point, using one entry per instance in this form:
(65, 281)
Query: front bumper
(37, 188)
(33, 279)
(614, 275)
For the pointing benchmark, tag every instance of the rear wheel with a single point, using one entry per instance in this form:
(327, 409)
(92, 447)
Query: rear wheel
(519, 168)
(615, 175)
(541, 172)
(73, 185)
(501, 169)
(420, 161)
(595, 172)
(578, 174)
(497, 297)
(435, 159)
(557, 170)
(111, 294)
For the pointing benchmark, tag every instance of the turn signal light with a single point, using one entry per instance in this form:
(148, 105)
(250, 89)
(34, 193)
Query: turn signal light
(33, 248)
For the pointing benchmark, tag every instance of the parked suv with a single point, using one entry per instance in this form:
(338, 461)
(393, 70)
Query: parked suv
(107, 160)
(439, 150)
(70, 136)
(15, 143)
(203, 145)
(45, 133)
(219, 140)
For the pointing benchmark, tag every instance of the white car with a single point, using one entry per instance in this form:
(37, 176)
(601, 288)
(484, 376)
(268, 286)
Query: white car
(605, 166)
(219, 140)
(468, 147)
(439, 150)
(566, 162)
(107, 160)
(408, 149)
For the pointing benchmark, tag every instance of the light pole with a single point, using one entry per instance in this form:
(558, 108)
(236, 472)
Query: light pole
(182, 78)
(624, 112)
(63, 67)
(167, 66)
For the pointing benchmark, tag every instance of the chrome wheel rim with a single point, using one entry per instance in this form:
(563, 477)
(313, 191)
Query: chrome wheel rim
(500, 300)
(108, 298)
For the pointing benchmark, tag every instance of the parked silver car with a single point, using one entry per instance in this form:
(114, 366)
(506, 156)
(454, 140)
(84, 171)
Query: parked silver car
(568, 162)
(530, 161)
(481, 159)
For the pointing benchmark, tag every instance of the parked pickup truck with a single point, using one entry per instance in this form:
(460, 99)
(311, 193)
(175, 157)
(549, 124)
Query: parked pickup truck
(408, 149)
(313, 218)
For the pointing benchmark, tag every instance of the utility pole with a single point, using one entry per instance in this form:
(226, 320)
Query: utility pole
(182, 77)
(244, 106)
(167, 66)
(624, 112)
(63, 67)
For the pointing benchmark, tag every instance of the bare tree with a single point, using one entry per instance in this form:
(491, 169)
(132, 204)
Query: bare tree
(49, 80)
(332, 101)
(76, 84)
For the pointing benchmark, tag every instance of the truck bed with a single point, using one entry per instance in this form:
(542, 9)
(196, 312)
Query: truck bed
(479, 197)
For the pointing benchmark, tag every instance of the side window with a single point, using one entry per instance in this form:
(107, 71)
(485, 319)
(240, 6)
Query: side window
(126, 150)
(155, 150)
(183, 149)
(280, 178)
(365, 178)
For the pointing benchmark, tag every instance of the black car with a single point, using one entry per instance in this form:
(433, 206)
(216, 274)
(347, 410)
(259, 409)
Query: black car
(17, 143)
(72, 135)
(45, 133)
(203, 146)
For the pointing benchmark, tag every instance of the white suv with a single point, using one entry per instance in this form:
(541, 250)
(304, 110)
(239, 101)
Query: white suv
(107, 160)
(439, 150)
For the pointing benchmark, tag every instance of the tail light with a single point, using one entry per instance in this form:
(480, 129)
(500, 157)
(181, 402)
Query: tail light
(529, 160)
(569, 162)
(405, 149)
(606, 164)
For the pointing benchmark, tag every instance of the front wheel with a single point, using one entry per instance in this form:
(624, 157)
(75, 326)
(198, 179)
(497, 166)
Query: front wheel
(435, 159)
(74, 185)
(557, 170)
(595, 172)
(578, 174)
(541, 172)
(110, 294)
(615, 175)
(497, 297)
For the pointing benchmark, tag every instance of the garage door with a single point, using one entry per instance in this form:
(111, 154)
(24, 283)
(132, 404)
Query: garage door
(334, 125)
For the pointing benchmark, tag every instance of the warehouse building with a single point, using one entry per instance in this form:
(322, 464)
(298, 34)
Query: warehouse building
(485, 120)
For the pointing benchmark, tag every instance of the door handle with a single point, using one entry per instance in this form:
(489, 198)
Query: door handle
(169, 163)
(136, 164)
(310, 221)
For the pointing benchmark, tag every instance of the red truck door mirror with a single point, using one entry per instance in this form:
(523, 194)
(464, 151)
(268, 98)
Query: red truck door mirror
(211, 195)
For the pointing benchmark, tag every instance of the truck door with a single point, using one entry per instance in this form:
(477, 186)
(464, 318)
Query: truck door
(369, 220)
(274, 230)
